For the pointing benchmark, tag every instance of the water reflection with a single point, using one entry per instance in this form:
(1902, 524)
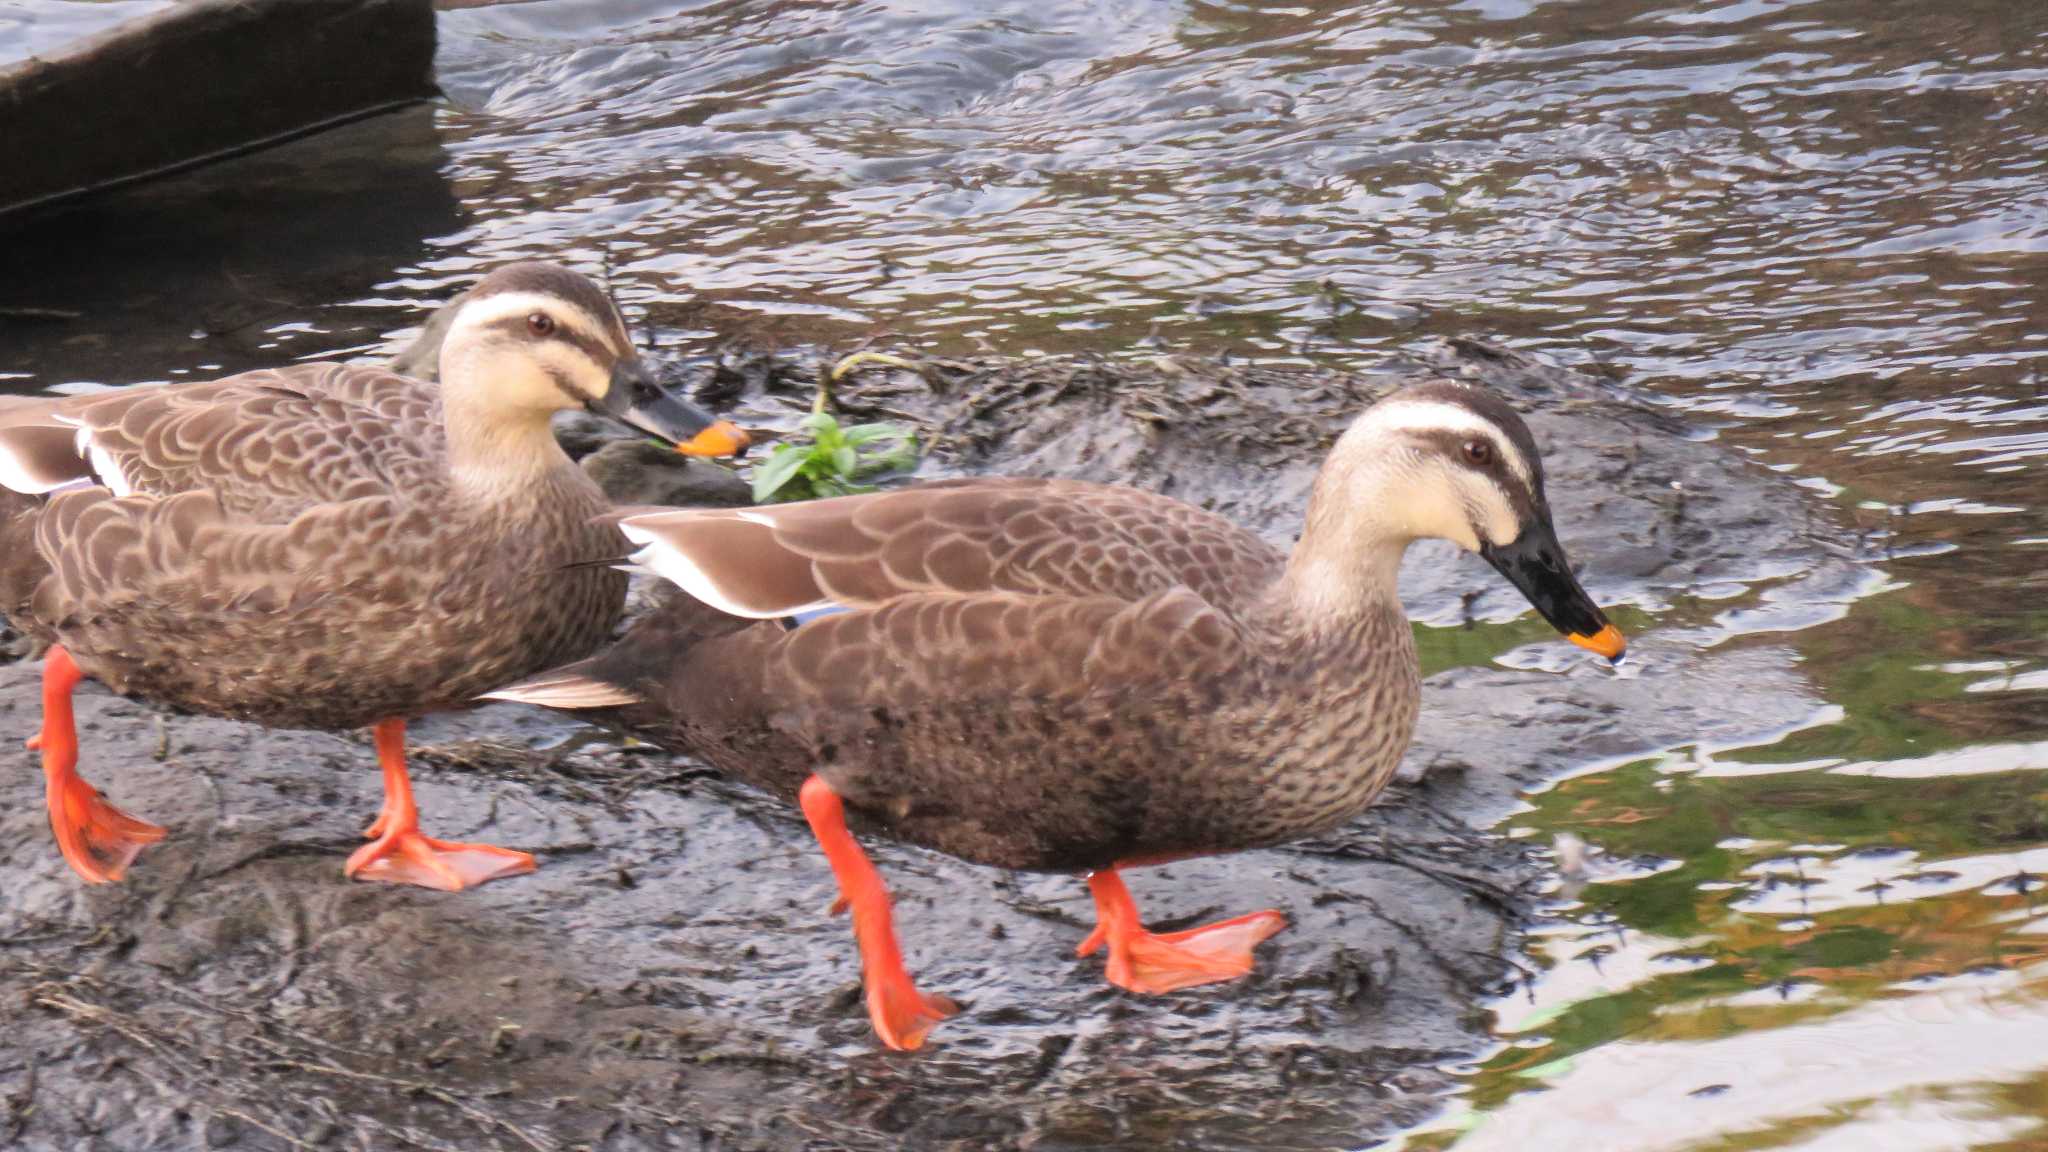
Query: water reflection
(238, 265)
(1924, 1069)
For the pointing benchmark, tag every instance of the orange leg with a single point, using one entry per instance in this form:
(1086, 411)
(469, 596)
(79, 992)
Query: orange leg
(98, 840)
(401, 855)
(902, 1015)
(1143, 962)
(376, 829)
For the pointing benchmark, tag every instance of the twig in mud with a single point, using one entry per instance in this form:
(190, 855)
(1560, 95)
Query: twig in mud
(1527, 974)
(854, 361)
(1501, 898)
(107, 1018)
(260, 1051)
(253, 1122)
(409, 1087)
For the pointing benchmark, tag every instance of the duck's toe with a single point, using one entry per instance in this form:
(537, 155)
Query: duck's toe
(416, 859)
(98, 840)
(1150, 963)
(902, 1015)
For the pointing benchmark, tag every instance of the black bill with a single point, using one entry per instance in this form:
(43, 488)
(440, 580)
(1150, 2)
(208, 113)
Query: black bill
(1535, 563)
(636, 399)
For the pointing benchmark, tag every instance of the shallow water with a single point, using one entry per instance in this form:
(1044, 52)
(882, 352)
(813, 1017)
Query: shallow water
(1818, 228)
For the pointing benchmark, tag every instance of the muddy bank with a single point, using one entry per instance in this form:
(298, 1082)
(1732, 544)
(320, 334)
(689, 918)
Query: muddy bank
(670, 979)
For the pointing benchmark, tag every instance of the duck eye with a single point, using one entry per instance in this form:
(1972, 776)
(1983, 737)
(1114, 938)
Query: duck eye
(1478, 453)
(540, 324)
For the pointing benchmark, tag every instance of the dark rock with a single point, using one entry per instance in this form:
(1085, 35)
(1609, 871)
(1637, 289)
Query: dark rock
(200, 81)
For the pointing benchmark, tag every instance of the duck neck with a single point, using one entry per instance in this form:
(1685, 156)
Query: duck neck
(1323, 590)
(1345, 570)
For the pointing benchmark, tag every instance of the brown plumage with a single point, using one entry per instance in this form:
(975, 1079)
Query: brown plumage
(295, 552)
(325, 546)
(1046, 674)
(1007, 635)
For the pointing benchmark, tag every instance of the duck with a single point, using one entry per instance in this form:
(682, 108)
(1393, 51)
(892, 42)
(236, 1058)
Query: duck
(1055, 676)
(327, 546)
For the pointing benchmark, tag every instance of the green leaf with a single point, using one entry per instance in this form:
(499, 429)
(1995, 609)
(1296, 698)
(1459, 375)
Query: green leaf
(780, 467)
(835, 456)
(863, 433)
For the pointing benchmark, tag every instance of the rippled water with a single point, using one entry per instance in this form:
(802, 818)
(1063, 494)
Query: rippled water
(1818, 227)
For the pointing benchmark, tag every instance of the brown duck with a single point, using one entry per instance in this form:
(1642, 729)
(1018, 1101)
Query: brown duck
(326, 546)
(1059, 676)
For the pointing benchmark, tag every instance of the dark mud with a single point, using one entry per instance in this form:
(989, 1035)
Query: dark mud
(670, 978)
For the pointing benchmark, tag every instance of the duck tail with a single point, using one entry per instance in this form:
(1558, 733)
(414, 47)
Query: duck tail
(570, 688)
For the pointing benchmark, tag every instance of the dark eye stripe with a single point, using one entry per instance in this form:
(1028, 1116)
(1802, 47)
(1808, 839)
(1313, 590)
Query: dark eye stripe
(600, 353)
(1452, 445)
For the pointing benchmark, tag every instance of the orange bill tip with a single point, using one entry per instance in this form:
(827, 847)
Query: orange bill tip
(1608, 642)
(723, 438)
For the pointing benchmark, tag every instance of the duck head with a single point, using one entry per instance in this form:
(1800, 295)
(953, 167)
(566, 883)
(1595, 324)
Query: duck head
(1455, 462)
(540, 339)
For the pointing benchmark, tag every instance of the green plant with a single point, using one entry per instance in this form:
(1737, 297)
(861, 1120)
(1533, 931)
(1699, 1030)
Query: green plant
(834, 459)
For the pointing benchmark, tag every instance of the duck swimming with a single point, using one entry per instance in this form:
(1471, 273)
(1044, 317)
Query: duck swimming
(327, 546)
(1059, 676)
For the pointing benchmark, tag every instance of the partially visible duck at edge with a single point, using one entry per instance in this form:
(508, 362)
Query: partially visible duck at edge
(1067, 677)
(327, 546)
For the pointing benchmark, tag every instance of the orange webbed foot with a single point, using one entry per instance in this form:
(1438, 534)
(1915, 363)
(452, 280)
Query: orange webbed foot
(401, 854)
(1153, 963)
(408, 857)
(98, 840)
(902, 1015)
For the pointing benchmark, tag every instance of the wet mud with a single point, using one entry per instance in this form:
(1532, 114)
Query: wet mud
(671, 979)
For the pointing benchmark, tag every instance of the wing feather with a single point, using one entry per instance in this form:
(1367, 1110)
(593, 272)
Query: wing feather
(270, 444)
(227, 493)
(1024, 537)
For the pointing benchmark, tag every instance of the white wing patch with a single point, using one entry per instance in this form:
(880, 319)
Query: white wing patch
(675, 566)
(105, 468)
(565, 690)
(109, 471)
(21, 471)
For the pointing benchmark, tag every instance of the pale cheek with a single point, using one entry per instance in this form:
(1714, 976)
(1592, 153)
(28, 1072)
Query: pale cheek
(572, 366)
(1432, 507)
(583, 373)
(1484, 510)
(1502, 527)
(525, 383)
